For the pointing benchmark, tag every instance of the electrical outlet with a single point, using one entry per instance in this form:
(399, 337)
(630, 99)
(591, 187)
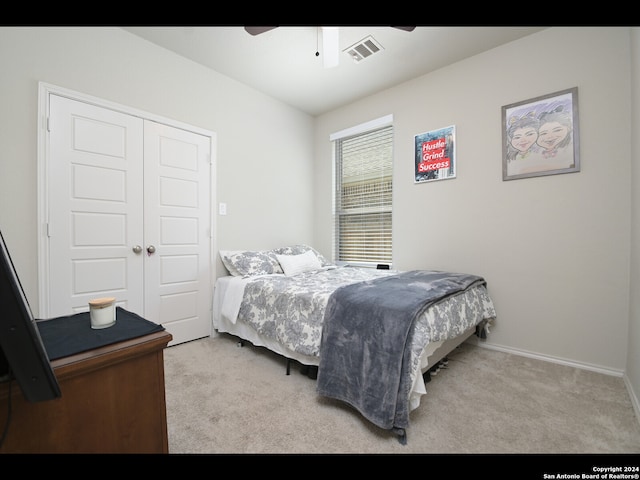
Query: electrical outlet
(222, 209)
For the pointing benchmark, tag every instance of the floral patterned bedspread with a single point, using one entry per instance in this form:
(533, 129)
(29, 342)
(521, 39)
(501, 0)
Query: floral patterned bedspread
(291, 310)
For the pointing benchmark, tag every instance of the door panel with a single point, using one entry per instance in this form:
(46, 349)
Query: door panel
(178, 288)
(95, 173)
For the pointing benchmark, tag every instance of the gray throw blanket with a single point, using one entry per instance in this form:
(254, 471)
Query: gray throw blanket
(366, 340)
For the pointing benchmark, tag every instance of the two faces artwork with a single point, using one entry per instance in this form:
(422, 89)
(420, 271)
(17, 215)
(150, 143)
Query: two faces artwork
(540, 139)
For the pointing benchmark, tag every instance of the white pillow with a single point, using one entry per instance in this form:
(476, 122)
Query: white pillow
(295, 264)
(301, 248)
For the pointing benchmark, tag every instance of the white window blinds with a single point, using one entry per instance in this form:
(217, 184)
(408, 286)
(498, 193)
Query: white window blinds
(364, 197)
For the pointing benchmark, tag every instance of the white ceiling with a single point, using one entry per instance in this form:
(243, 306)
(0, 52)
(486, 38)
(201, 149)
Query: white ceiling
(282, 62)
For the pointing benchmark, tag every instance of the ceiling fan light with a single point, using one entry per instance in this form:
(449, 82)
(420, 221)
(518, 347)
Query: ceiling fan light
(330, 47)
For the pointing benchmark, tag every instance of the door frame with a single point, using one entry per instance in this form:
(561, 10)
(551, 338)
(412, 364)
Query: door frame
(43, 157)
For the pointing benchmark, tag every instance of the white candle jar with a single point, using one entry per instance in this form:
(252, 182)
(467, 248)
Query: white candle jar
(102, 312)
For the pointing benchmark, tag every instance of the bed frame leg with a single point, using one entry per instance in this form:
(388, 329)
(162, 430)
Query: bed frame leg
(310, 371)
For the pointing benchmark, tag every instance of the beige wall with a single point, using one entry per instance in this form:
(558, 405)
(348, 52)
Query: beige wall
(555, 250)
(632, 373)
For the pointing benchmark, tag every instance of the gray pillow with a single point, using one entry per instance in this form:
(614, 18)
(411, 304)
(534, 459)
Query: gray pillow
(248, 263)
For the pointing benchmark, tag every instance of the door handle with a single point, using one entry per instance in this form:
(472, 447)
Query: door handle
(137, 249)
(151, 249)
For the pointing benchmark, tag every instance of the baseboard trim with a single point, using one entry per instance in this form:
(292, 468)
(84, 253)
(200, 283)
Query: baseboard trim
(549, 358)
(632, 396)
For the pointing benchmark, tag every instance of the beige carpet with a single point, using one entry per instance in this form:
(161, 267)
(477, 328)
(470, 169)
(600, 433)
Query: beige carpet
(226, 399)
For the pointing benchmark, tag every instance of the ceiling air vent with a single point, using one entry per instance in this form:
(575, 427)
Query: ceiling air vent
(363, 49)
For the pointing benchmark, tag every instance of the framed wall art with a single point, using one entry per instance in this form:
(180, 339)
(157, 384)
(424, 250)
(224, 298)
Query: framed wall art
(435, 156)
(541, 136)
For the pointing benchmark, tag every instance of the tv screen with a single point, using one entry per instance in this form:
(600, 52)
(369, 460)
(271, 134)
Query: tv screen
(23, 356)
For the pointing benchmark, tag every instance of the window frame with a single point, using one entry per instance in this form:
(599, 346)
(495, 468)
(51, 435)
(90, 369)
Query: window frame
(335, 138)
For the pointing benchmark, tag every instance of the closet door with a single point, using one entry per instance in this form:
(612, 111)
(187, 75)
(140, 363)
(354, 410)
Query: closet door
(95, 202)
(129, 216)
(177, 229)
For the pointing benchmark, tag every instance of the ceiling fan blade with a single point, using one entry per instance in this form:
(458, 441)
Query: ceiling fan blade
(258, 30)
(406, 29)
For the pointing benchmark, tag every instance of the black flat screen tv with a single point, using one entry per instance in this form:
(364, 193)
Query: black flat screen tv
(23, 356)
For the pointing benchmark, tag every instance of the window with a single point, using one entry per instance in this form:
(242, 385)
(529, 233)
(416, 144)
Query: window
(363, 178)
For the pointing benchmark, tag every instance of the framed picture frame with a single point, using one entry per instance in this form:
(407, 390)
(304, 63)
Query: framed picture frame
(435, 155)
(540, 136)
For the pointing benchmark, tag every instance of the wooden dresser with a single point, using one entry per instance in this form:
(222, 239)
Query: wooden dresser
(113, 401)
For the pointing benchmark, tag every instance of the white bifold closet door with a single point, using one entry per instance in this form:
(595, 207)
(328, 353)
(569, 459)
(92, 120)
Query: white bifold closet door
(129, 216)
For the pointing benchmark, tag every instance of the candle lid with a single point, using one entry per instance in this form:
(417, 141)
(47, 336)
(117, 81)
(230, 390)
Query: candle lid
(101, 302)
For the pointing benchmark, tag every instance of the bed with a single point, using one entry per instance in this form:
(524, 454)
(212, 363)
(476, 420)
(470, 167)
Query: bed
(296, 303)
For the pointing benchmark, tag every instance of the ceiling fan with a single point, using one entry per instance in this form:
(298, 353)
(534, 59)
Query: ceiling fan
(330, 45)
(259, 30)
